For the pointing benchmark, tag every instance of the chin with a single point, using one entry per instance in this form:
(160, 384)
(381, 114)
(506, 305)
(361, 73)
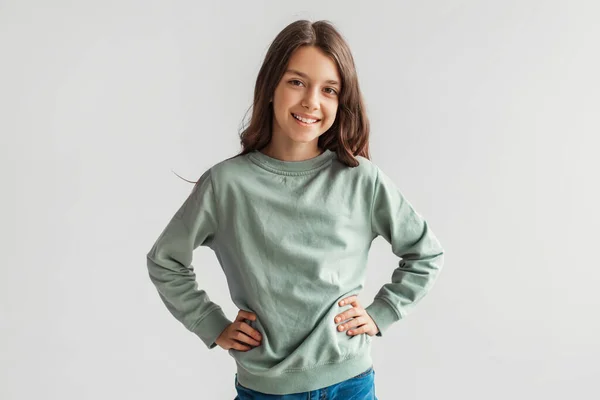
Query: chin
(304, 138)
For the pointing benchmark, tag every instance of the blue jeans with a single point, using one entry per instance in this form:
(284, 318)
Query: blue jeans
(360, 387)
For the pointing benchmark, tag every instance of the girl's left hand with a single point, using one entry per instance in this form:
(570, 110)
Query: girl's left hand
(360, 318)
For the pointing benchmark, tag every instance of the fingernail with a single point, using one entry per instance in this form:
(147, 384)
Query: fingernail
(337, 319)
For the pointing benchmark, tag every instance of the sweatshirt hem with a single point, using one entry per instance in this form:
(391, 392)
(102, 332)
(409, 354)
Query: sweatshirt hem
(304, 380)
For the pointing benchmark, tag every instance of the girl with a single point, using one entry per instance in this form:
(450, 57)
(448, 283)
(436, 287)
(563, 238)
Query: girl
(291, 220)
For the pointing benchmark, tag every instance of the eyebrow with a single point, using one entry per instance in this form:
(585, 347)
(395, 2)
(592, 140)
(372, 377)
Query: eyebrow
(302, 74)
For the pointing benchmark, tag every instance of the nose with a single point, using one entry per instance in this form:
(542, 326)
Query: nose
(311, 99)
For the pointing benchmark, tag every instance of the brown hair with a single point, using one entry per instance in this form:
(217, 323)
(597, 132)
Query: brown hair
(348, 137)
(349, 134)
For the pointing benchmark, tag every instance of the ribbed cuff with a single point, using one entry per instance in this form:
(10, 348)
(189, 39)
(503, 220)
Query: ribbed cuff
(383, 314)
(211, 326)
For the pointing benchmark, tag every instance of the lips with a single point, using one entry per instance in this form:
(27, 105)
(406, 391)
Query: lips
(306, 117)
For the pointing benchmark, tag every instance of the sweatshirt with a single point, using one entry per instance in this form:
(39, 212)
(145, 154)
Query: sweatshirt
(292, 238)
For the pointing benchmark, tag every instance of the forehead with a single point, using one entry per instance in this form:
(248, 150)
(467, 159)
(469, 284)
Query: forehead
(313, 62)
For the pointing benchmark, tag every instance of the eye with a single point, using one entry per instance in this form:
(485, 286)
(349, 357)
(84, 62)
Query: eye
(294, 81)
(333, 91)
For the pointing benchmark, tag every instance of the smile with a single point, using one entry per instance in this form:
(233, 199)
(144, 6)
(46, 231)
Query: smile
(305, 121)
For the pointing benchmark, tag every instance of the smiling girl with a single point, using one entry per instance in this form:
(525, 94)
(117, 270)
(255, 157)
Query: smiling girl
(291, 219)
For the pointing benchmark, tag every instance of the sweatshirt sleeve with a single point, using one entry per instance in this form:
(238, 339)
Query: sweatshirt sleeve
(170, 263)
(411, 239)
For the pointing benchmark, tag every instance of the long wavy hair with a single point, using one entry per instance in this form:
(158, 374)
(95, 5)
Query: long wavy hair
(349, 134)
(348, 137)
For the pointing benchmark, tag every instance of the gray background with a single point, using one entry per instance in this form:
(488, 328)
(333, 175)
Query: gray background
(485, 114)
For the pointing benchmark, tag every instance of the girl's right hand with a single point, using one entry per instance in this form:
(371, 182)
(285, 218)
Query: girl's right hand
(239, 334)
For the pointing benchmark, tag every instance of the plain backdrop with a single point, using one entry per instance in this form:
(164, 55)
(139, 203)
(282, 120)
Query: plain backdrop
(484, 113)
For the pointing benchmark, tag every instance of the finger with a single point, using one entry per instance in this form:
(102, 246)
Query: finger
(250, 331)
(348, 300)
(351, 312)
(242, 315)
(358, 331)
(239, 346)
(242, 337)
(359, 321)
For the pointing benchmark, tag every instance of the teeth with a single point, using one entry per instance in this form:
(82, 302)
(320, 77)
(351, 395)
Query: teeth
(306, 121)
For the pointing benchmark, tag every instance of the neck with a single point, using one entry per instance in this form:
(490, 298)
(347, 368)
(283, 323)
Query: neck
(293, 152)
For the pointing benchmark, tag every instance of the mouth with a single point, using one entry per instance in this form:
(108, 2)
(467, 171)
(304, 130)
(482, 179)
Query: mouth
(305, 121)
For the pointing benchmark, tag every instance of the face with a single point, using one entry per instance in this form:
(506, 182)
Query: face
(309, 89)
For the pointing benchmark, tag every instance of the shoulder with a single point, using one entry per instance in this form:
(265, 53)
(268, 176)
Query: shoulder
(367, 166)
(229, 164)
(227, 170)
(368, 176)
(365, 171)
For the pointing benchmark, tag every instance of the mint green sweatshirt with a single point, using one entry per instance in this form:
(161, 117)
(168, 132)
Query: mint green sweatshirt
(292, 238)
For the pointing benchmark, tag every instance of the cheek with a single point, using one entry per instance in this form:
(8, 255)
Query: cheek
(331, 114)
(287, 98)
(280, 106)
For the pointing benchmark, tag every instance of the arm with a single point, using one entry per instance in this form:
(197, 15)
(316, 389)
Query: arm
(394, 218)
(170, 269)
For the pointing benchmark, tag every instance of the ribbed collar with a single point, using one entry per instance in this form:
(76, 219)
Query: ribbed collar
(291, 167)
